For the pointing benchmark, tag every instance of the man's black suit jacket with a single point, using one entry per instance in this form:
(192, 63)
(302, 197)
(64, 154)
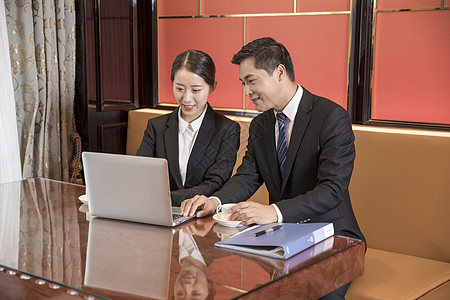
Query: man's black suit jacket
(317, 171)
(212, 158)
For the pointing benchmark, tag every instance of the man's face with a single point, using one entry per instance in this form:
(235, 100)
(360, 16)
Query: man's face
(191, 283)
(263, 89)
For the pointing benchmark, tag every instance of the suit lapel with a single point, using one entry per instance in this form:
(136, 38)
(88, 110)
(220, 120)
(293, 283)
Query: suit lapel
(204, 136)
(171, 147)
(301, 123)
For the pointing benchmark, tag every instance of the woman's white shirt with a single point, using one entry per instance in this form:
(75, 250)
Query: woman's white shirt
(187, 134)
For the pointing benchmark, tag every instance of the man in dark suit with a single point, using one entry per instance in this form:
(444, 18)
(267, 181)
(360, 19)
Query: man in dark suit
(211, 161)
(301, 147)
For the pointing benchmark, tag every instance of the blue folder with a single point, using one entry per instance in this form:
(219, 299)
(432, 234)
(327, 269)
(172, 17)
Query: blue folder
(282, 243)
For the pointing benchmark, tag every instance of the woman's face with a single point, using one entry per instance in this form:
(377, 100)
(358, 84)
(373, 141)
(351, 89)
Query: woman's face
(191, 92)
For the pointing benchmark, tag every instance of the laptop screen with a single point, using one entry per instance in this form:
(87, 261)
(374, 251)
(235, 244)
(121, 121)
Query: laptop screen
(125, 187)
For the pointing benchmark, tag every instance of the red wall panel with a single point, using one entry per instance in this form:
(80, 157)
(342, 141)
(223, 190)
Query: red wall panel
(318, 46)
(411, 67)
(178, 7)
(221, 7)
(219, 37)
(323, 5)
(397, 4)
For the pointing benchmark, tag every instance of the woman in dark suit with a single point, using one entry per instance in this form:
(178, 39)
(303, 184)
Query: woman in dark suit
(199, 144)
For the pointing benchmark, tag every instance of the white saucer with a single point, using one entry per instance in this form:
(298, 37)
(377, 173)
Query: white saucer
(84, 208)
(83, 198)
(227, 223)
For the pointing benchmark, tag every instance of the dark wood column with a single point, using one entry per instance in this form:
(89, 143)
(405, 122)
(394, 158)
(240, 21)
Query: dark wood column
(114, 69)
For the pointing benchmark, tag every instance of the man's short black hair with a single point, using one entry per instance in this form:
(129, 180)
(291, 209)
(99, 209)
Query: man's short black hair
(268, 55)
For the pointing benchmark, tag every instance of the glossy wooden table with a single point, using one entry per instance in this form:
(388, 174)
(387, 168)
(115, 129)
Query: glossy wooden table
(49, 247)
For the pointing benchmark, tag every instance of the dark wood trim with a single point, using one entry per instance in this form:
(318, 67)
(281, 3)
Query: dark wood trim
(110, 107)
(360, 61)
(114, 125)
(406, 124)
(103, 143)
(98, 47)
(361, 73)
(147, 54)
(80, 97)
(237, 113)
(221, 111)
(134, 53)
(133, 32)
(154, 40)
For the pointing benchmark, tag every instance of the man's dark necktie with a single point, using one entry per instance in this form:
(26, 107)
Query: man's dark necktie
(281, 146)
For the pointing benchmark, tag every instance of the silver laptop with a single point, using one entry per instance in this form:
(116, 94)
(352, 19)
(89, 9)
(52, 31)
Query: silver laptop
(131, 188)
(129, 258)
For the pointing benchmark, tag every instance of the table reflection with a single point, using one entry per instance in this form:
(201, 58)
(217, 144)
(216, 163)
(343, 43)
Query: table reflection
(205, 269)
(191, 282)
(129, 258)
(280, 267)
(39, 231)
(50, 246)
(9, 224)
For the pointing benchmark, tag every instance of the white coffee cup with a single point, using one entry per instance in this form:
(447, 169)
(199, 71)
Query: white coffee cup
(224, 211)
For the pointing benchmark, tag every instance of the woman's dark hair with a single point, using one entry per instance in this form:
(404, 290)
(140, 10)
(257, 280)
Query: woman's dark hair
(197, 62)
(268, 54)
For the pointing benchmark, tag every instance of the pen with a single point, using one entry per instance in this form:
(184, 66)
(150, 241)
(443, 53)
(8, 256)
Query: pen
(268, 230)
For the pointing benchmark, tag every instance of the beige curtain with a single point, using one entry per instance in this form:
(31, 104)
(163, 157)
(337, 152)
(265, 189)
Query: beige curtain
(42, 49)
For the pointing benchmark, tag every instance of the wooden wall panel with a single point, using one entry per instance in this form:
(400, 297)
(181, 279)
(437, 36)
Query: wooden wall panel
(318, 46)
(220, 38)
(323, 5)
(411, 67)
(112, 137)
(178, 7)
(111, 73)
(117, 63)
(220, 7)
(398, 4)
(91, 61)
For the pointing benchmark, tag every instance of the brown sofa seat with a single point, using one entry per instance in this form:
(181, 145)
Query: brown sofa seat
(400, 194)
(389, 275)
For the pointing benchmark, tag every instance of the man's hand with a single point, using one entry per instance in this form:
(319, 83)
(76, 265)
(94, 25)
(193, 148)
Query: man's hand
(199, 205)
(250, 212)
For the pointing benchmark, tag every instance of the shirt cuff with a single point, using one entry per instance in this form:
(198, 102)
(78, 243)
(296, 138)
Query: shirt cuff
(279, 215)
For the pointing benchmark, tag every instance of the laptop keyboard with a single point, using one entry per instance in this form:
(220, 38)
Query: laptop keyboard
(176, 216)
